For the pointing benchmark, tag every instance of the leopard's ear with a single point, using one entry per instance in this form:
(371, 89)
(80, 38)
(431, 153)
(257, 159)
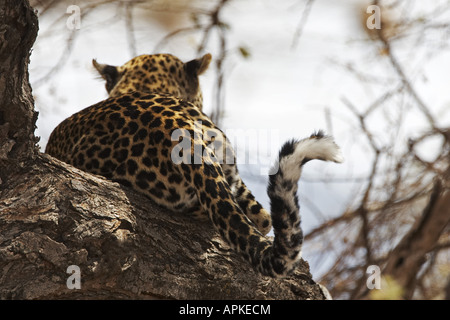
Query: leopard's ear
(198, 66)
(109, 73)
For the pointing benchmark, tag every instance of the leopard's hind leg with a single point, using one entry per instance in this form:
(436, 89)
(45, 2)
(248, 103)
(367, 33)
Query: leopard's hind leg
(246, 200)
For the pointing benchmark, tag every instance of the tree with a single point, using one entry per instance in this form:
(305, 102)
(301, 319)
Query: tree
(400, 223)
(55, 219)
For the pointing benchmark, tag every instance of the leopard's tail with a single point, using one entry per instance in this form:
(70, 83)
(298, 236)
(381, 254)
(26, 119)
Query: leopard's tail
(280, 257)
(282, 191)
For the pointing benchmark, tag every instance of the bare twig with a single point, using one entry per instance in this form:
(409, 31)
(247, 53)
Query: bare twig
(73, 34)
(130, 28)
(302, 23)
(406, 259)
(400, 72)
(178, 32)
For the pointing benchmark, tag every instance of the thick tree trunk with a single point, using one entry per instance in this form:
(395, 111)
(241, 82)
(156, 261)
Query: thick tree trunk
(18, 30)
(54, 217)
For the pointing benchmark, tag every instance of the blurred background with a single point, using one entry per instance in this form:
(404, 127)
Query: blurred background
(376, 78)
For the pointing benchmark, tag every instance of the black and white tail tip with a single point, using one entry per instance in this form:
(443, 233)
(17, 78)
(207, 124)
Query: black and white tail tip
(295, 153)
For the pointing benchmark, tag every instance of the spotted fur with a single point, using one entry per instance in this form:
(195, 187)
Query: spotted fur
(130, 138)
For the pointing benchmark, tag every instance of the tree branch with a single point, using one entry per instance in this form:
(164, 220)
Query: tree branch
(124, 245)
(399, 70)
(406, 259)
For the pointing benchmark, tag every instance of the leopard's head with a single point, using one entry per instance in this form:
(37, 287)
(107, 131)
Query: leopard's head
(156, 73)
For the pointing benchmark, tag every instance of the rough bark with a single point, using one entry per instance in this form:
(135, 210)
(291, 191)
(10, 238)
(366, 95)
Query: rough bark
(18, 30)
(53, 216)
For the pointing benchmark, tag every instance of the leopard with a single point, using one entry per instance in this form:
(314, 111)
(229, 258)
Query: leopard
(151, 135)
